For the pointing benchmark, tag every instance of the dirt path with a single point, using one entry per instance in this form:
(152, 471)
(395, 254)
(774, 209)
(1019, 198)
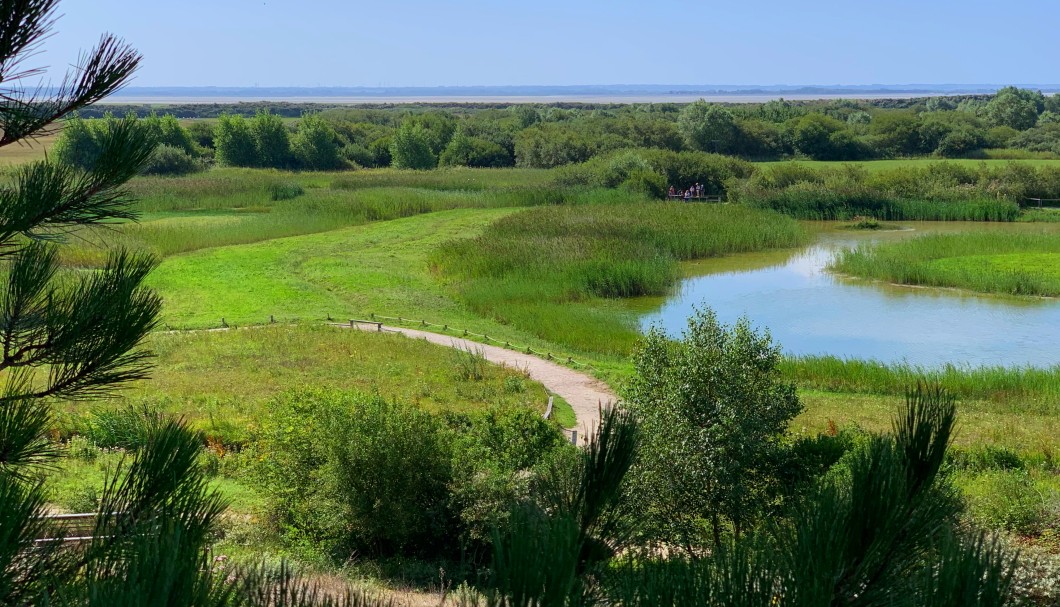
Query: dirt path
(585, 394)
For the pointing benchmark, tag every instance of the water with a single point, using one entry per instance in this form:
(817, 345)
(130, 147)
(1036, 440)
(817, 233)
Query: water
(811, 311)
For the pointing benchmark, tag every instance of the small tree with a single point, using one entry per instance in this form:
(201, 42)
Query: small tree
(272, 140)
(708, 127)
(411, 148)
(316, 145)
(235, 142)
(714, 410)
(1016, 108)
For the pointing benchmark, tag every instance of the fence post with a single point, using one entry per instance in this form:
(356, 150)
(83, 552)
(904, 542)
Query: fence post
(351, 323)
(223, 323)
(272, 319)
(379, 327)
(574, 437)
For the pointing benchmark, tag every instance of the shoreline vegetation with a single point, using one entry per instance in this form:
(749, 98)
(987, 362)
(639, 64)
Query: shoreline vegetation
(1012, 264)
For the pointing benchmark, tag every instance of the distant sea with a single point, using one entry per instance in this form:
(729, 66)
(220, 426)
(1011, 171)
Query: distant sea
(545, 94)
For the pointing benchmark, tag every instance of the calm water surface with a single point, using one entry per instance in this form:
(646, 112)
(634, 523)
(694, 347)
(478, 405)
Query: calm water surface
(811, 311)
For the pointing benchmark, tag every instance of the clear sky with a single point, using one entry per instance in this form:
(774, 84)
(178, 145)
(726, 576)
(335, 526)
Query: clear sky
(498, 42)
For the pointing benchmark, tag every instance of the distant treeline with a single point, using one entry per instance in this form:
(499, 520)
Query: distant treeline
(425, 136)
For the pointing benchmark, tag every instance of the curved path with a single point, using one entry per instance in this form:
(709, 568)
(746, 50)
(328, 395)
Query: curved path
(585, 394)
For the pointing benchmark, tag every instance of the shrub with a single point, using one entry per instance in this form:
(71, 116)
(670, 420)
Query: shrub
(316, 145)
(1007, 500)
(125, 428)
(285, 190)
(411, 148)
(169, 160)
(235, 143)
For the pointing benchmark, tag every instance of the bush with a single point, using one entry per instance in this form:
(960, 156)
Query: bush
(124, 428)
(316, 145)
(1006, 500)
(169, 160)
(285, 190)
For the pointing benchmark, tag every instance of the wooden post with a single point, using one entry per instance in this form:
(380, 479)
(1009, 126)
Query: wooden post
(379, 327)
(574, 437)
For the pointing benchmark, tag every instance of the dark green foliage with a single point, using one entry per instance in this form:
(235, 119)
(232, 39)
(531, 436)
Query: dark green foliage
(714, 411)
(473, 152)
(169, 160)
(680, 169)
(316, 145)
(411, 148)
(392, 468)
(235, 143)
(1016, 108)
(939, 191)
(708, 127)
(880, 531)
(346, 472)
(578, 520)
(272, 141)
(285, 190)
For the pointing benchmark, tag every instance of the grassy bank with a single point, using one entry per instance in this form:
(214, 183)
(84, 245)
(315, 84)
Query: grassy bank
(556, 271)
(1018, 264)
(219, 380)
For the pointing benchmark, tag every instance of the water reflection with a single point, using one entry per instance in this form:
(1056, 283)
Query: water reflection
(812, 311)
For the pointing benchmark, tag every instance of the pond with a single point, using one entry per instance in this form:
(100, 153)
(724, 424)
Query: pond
(811, 311)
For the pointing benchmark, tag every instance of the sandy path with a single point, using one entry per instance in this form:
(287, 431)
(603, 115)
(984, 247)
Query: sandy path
(585, 394)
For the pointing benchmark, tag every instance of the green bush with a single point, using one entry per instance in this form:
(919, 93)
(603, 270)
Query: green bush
(285, 190)
(346, 472)
(169, 160)
(124, 428)
(1006, 500)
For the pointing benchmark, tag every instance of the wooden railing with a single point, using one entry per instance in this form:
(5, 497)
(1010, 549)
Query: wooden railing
(68, 528)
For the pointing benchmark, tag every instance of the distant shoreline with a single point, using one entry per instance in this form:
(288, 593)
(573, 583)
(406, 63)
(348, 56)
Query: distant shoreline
(613, 93)
(359, 100)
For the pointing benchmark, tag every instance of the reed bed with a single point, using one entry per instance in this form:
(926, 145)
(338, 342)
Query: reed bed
(553, 271)
(1030, 390)
(1017, 264)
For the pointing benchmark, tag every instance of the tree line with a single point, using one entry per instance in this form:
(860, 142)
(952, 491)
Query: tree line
(536, 136)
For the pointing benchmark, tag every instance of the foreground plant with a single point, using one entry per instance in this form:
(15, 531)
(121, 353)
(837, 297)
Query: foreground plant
(880, 529)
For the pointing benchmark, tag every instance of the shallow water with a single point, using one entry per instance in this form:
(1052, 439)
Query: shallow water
(809, 310)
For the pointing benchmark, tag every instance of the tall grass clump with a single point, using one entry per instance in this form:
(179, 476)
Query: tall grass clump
(553, 270)
(1017, 264)
(1023, 389)
(938, 191)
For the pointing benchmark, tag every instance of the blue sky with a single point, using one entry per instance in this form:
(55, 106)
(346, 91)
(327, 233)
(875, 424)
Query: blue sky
(475, 42)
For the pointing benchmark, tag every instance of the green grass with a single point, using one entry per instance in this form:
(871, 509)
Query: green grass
(901, 163)
(1017, 264)
(557, 272)
(218, 380)
(241, 206)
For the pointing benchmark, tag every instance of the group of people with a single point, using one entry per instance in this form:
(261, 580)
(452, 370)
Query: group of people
(695, 191)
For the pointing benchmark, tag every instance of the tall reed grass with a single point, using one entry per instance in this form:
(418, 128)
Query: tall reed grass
(1017, 264)
(551, 270)
(1018, 389)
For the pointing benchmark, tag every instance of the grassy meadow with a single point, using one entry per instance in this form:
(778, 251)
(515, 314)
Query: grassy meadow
(1014, 264)
(218, 380)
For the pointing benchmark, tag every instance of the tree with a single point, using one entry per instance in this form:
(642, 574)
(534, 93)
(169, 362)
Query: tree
(316, 144)
(272, 140)
(473, 152)
(708, 127)
(1016, 108)
(411, 148)
(235, 143)
(77, 144)
(714, 411)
